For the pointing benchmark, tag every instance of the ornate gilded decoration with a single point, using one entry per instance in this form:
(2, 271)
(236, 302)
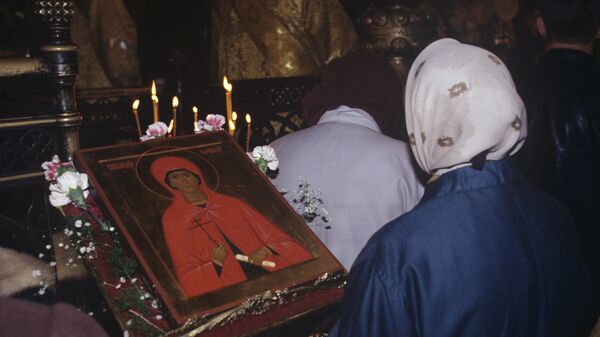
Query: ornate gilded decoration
(258, 305)
(279, 38)
(398, 32)
(55, 11)
(457, 89)
(107, 37)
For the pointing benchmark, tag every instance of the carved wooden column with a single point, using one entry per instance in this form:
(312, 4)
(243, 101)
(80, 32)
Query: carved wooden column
(60, 58)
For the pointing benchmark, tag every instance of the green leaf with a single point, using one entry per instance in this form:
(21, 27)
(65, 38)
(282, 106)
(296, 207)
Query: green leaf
(262, 165)
(76, 196)
(62, 169)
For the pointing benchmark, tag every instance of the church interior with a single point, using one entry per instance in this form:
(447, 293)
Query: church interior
(83, 74)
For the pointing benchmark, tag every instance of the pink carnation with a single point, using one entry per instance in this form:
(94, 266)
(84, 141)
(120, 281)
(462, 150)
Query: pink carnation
(51, 168)
(212, 123)
(157, 130)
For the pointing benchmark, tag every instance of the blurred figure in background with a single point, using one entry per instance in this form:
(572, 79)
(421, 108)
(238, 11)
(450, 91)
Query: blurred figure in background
(562, 153)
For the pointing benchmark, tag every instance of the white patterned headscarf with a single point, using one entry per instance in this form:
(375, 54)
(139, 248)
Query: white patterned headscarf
(462, 108)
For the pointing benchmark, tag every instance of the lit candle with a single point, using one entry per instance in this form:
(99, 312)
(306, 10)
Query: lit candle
(228, 88)
(248, 131)
(175, 104)
(154, 102)
(195, 110)
(231, 127)
(135, 106)
(234, 119)
(170, 128)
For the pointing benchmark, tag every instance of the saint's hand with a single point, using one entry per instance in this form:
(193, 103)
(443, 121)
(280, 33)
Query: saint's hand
(220, 253)
(258, 256)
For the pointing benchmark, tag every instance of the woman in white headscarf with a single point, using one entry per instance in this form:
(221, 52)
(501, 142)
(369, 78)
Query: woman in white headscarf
(483, 253)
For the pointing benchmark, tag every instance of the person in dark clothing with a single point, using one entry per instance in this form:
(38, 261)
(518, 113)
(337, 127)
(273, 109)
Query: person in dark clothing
(562, 153)
(484, 253)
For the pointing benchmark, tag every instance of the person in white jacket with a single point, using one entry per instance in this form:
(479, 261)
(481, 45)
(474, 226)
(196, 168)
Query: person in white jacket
(365, 177)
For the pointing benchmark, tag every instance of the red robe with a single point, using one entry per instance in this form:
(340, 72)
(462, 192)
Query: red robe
(191, 232)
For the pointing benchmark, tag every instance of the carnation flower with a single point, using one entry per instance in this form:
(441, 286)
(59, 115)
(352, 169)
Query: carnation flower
(212, 123)
(265, 157)
(69, 187)
(51, 168)
(157, 130)
(54, 168)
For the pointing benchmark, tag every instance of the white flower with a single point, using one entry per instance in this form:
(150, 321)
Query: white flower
(69, 187)
(122, 279)
(40, 255)
(48, 246)
(158, 317)
(52, 263)
(78, 223)
(36, 273)
(266, 154)
(125, 333)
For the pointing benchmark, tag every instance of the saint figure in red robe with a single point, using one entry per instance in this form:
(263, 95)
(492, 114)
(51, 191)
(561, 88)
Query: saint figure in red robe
(205, 231)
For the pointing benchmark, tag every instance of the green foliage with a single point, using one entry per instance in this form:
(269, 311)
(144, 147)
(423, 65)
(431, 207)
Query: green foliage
(119, 263)
(132, 298)
(141, 328)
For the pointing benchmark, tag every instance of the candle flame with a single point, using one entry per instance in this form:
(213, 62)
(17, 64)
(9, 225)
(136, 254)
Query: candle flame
(195, 109)
(231, 125)
(226, 84)
(136, 104)
(234, 116)
(248, 119)
(170, 127)
(175, 102)
(155, 99)
(153, 90)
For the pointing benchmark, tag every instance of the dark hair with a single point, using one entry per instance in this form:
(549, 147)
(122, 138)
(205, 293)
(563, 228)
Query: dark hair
(359, 80)
(572, 21)
(178, 170)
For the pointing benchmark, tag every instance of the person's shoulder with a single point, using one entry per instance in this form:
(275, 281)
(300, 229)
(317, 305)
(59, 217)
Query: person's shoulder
(380, 145)
(415, 226)
(290, 137)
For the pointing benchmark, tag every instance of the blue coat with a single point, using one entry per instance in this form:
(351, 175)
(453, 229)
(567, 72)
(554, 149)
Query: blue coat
(483, 254)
